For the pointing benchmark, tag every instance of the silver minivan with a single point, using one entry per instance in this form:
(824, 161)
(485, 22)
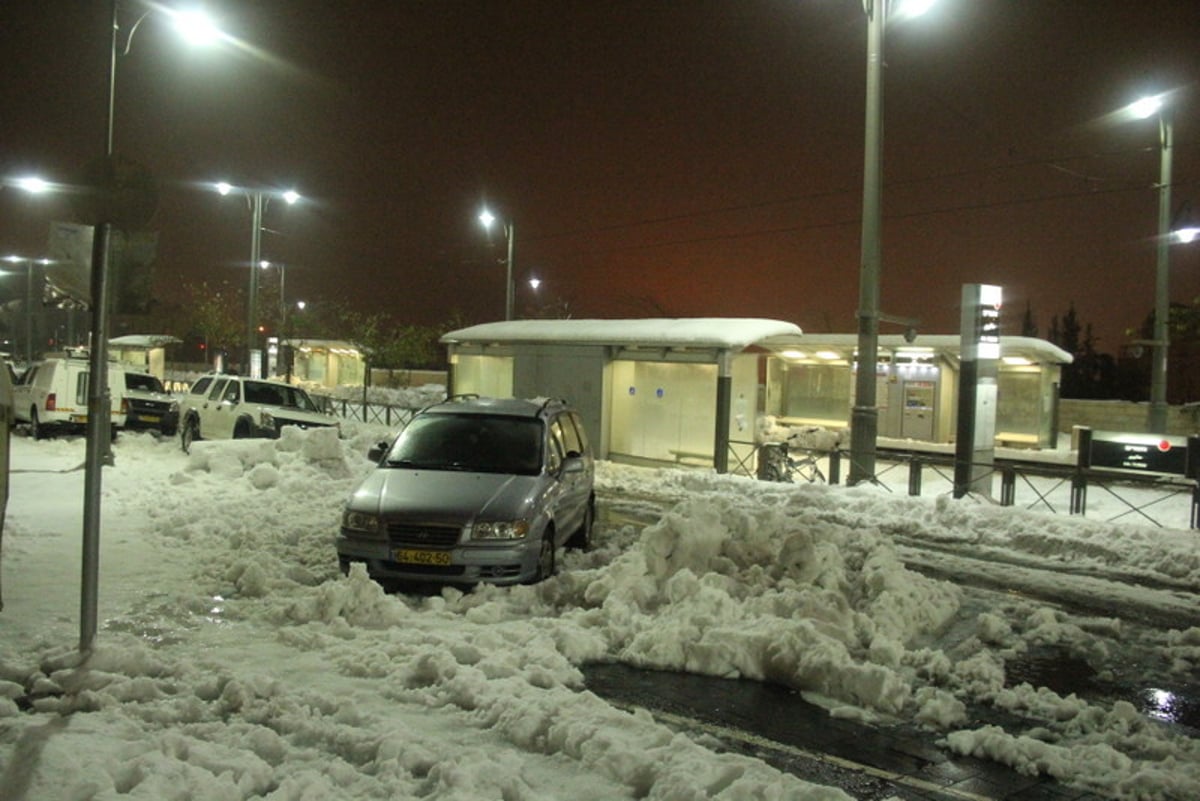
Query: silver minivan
(474, 490)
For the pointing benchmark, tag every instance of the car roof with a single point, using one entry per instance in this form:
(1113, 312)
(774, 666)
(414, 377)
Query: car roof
(511, 407)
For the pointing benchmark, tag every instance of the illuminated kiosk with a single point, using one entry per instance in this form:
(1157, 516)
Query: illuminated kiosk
(319, 362)
(651, 391)
(145, 351)
(917, 387)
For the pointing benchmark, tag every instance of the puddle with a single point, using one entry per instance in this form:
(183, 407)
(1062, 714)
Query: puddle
(1063, 673)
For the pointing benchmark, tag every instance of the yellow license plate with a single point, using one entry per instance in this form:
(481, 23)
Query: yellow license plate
(439, 558)
(150, 418)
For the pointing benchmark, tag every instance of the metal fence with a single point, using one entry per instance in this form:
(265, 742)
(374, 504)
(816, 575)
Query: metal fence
(1161, 500)
(364, 411)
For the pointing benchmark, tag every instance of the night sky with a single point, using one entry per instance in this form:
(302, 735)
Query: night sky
(655, 158)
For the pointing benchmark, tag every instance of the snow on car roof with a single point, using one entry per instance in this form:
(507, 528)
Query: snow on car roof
(734, 333)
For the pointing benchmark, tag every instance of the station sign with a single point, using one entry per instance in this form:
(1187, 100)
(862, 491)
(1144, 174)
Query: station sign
(1145, 453)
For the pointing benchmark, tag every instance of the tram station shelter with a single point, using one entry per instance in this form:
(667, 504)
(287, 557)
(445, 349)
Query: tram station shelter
(694, 390)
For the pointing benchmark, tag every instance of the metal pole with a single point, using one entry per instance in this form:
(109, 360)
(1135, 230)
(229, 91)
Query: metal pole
(256, 198)
(1156, 422)
(98, 450)
(28, 312)
(864, 420)
(508, 296)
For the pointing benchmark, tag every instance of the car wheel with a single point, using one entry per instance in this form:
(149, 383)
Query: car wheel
(189, 434)
(545, 566)
(582, 538)
(241, 430)
(35, 425)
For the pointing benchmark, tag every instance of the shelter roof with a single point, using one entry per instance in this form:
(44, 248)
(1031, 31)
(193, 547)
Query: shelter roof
(143, 340)
(1037, 351)
(732, 333)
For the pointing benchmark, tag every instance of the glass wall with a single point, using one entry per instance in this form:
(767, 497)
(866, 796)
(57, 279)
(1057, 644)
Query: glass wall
(663, 411)
(491, 376)
(1019, 404)
(817, 393)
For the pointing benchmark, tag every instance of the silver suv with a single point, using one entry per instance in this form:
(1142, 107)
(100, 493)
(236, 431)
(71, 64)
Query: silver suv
(221, 406)
(474, 490)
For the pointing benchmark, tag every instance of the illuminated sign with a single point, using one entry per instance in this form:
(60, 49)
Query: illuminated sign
(1146, 453)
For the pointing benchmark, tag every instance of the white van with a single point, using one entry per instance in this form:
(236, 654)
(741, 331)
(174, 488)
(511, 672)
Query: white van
(52, 396)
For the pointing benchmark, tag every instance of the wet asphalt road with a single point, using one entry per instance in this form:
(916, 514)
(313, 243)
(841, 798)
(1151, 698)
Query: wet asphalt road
(776, 725)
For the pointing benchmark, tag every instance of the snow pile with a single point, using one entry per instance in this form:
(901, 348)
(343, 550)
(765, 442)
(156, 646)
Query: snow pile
(235, 662)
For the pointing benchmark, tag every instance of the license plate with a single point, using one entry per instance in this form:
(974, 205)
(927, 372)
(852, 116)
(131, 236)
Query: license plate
(439, 558)
(150, 418)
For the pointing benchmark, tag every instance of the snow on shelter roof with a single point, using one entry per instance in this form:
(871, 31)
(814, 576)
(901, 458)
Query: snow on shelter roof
(732, 333)
(143, 340)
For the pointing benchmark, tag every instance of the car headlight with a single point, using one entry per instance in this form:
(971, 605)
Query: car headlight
(500, 530)
(173, 408)
(364, 522)
(266, 419)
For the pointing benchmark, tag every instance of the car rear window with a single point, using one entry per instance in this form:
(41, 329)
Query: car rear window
(469, 442)
(143, 381)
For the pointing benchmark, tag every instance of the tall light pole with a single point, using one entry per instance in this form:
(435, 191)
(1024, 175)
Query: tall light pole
(29, 267)
(98, 451)
(487, 218)
(257, 199)
(864, 417)
(1156, 419)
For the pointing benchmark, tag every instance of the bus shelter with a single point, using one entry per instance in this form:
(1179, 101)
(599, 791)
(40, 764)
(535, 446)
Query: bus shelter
(917, 385)
(651, 391)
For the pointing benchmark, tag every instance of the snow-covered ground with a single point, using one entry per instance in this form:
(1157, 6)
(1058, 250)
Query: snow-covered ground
(234, 661)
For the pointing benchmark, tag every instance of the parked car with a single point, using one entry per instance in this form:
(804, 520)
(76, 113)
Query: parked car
(147, 404)
(223, 406)
(474, 490)
(52, 395)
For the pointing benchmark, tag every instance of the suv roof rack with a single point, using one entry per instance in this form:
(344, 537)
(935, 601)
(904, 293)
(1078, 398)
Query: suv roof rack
(548, 401)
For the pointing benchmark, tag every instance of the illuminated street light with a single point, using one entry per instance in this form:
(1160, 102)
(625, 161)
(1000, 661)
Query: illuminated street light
(487, 218)
(864, 417)
(257, 200)
(33, 184)
(1144, 108)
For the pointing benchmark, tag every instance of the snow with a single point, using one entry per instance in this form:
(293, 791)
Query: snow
(233, 660)
(734, 333)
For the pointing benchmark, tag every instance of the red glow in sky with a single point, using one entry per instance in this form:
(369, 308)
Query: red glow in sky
(654, 159)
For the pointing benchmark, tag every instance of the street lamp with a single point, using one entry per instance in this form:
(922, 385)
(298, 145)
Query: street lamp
(1156, 420)
(29, 267)
(257, 200)
(98, 451)
(487, 218)
(864, 419)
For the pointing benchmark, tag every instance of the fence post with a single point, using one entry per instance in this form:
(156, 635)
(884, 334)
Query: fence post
(1083, 460)
(914, 477)
(1008, 485)
(1192, 471)
(835, 466)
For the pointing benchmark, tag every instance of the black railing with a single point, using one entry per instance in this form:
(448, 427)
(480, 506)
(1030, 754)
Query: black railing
(363, 411)
(1042, 484)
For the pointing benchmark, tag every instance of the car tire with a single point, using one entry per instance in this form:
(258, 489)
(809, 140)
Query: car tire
(189, 434)
(546, 558)
(582, 538)
(241, 430)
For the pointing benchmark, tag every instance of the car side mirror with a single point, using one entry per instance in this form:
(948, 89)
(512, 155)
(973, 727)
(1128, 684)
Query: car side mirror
(375, 454)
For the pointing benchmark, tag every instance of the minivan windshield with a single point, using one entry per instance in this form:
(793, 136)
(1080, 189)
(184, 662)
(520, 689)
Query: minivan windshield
(470, 442)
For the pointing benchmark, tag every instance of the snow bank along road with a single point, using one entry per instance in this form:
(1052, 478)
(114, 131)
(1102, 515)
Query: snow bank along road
(235, 662)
